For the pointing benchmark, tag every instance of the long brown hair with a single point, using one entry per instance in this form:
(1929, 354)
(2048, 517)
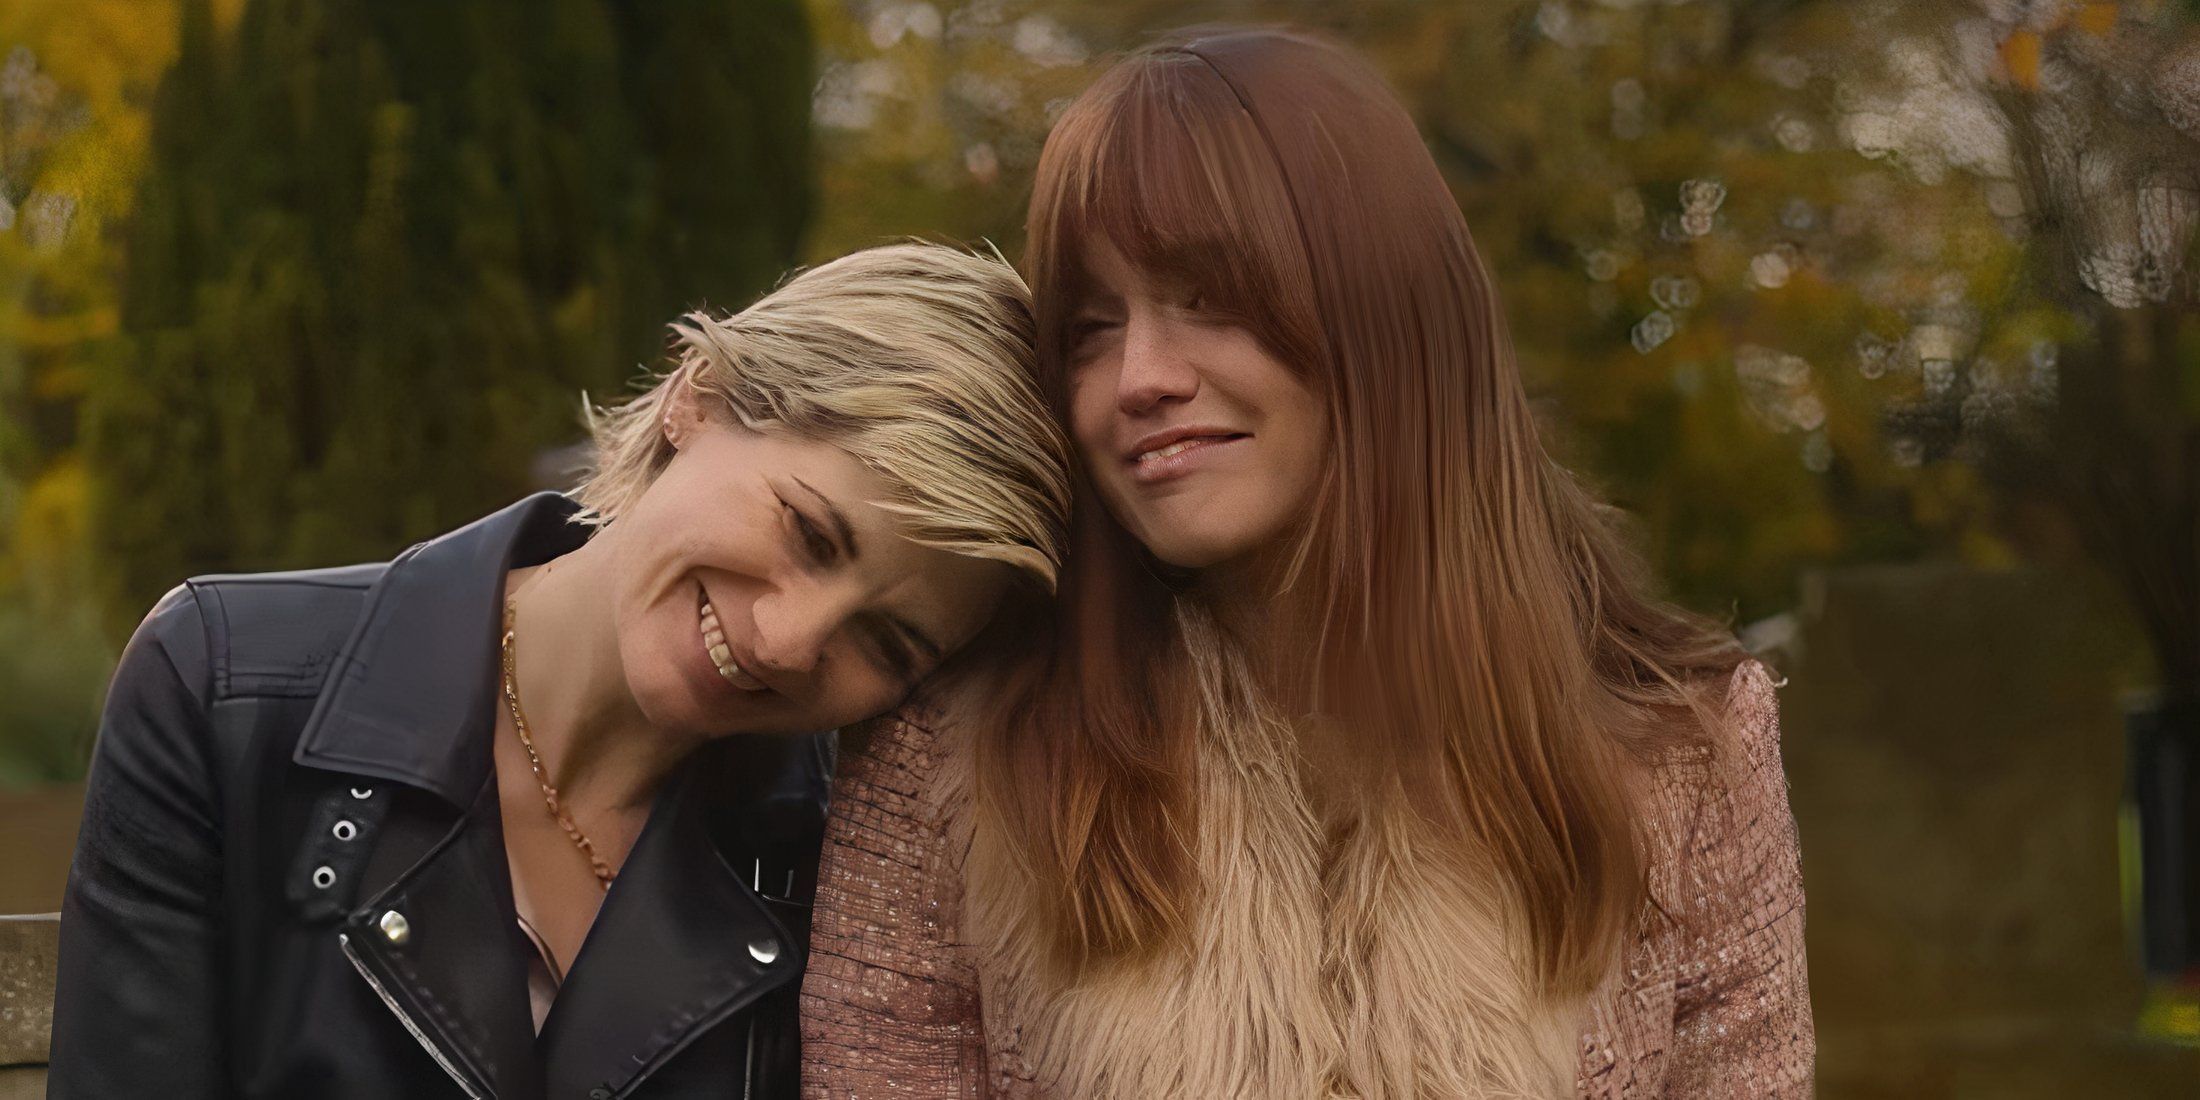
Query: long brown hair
(1478, 629)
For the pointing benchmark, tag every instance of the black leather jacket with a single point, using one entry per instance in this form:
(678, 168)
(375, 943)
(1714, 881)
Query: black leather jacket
(291, 878)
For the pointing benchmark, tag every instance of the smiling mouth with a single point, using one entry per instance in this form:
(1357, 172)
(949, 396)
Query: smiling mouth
(721, 655)
(1175, 454)
(1186, 444)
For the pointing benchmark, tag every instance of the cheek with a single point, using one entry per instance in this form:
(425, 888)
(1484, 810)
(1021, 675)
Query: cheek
(847, 704)
(1306, 445)
(1091, 414)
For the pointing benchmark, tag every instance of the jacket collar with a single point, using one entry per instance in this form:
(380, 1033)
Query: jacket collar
(411, 696)
(683, 940)
(694, 931)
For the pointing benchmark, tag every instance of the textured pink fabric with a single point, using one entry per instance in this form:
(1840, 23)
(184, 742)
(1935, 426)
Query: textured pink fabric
(1712, 1000)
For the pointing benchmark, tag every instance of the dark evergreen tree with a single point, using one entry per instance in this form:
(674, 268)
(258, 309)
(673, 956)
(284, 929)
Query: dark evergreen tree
(381, 247)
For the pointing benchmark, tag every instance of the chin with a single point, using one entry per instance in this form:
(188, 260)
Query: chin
(1208, 542)
(668, 705)
(665, 693)
(1194, 550)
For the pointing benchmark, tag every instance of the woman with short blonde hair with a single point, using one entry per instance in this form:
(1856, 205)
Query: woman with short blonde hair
(347, 830)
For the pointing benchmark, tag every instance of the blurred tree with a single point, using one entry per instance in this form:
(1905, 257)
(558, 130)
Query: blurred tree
(380, 248)
(72, 86)
(1696, 261)
(2090, 133)
(2106, 168)
(74, 78)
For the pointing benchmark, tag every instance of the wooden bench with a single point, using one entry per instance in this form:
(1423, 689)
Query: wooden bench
(29, 946)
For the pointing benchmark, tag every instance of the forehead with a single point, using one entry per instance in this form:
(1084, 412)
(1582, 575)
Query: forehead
(1103, 266)
(1104, 269)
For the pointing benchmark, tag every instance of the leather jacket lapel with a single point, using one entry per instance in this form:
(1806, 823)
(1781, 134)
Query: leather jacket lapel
(441, 947)
(412, 696)
(683, 941)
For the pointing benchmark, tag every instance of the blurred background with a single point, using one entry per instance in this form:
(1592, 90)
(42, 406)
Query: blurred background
(1878, 316)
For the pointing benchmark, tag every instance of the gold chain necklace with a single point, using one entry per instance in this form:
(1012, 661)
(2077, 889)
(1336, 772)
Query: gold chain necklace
(604, 873)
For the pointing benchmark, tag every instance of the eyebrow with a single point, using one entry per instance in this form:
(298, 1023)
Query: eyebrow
(834, 516)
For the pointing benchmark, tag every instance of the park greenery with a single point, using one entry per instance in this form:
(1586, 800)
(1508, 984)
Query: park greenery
(1798, 283)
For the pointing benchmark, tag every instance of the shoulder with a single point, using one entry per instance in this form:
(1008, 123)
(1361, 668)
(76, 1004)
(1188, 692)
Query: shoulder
(909, 758)
(1719, 826)
(261, 633)
(1697, 799)
(1751, 713)
(215, 638)
(901, 801)
(1743, 739)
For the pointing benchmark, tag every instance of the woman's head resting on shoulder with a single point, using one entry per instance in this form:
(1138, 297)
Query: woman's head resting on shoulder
(829, 494)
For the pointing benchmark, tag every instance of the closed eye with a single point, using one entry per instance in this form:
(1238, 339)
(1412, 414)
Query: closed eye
(903, 649)
(893, 655)
(1084, 330)
(809, 535)
(1210, 309)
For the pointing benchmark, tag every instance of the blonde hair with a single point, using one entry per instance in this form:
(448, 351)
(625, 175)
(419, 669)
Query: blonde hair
(914, 358)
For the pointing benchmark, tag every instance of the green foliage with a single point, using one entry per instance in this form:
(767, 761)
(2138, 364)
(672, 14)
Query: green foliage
(1691, 253)
(53, 671)
(379, 250)
(72, 83)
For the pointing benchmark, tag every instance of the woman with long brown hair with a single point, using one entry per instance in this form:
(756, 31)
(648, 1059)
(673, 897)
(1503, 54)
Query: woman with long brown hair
(1364, 763)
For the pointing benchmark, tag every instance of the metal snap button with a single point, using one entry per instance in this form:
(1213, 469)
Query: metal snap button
(764, 950)
(344, 830)
(395, 927)
(324, 877)
(362, 792)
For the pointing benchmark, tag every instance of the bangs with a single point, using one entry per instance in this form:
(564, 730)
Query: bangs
(1160, 159)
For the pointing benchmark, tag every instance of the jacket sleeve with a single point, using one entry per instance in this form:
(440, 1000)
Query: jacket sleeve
(138, 1000)
(1742, 1022)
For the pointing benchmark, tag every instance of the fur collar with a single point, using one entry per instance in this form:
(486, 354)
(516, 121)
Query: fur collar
(1355, 957)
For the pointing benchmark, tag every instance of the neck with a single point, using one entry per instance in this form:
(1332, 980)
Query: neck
(1260, 606)
(596, 746)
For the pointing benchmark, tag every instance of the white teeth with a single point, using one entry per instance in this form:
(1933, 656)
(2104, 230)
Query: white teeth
(721, 655)
(1176, 448)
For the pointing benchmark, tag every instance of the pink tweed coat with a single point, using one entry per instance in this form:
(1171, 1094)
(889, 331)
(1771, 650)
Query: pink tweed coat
(1711, 1001)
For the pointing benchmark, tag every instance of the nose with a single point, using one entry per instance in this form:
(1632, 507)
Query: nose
(1155, 370)
(792, 626)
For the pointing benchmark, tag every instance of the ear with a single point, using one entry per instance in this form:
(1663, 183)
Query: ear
(683, 410)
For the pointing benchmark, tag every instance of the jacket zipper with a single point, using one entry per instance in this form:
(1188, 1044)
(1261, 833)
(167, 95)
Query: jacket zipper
(343, 940)
(748, 1052)
(748, 1063)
